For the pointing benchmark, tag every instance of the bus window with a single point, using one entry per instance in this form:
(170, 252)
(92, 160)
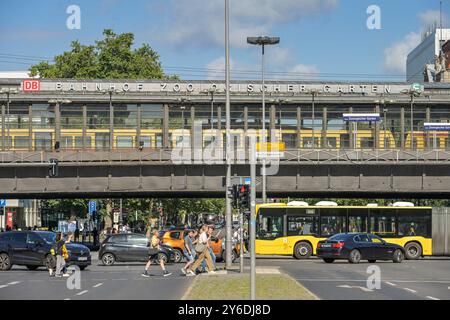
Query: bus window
(358, 220)
(332, 221)
(271, 224)
(383, 222)
(302, 226)
(414, 223)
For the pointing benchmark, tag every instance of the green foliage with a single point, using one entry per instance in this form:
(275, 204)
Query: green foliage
(110, 58)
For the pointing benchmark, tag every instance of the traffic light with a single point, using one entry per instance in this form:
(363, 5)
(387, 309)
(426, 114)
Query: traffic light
(53, 170)
(233, 195)
(94, 215)
(243, 196)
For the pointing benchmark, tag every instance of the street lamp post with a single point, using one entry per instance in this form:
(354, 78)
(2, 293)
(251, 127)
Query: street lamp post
(263, 41)
(413, 92)
(211, 91)
(313, 93)
(228, 213)
(111, 91)
(383, 102)
(8, 92)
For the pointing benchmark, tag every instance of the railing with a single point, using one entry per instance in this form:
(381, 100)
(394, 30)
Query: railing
(164, 156)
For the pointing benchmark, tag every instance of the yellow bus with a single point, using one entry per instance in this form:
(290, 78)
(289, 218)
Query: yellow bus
(294, 230)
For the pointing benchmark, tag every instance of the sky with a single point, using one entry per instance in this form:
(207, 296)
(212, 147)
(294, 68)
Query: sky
(320, 39)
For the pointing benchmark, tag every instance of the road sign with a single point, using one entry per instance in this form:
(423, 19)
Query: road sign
(247, 180)
(2, 202)
(92, 206)
(361, 117)
(417, 87)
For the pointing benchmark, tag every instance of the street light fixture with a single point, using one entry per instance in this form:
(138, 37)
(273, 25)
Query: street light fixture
(263, 41)
(211, 91)
(8, 92)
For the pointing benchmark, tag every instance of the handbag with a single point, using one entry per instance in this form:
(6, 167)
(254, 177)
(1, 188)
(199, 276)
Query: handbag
(200, 247)
(152, 250)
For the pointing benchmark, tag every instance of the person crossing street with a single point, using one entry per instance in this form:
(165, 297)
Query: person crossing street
(153, 255)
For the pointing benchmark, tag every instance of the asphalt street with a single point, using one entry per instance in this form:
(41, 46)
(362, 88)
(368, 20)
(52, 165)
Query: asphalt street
(425, 279)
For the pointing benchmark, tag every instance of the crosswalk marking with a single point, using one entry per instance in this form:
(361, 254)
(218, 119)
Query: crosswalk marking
(82, 292)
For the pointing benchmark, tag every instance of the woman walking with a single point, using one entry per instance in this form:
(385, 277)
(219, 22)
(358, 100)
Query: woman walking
(202, 249)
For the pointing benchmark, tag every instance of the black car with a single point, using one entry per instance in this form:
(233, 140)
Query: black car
(355, 247)
(32, 249)
(130, 247)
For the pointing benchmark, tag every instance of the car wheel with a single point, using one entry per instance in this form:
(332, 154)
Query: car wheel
(5, 262)
(328, 260)
(178, 256)
(398, 256)
(82, 267)
(355, 256)
(50, 262)
(413, 251)
(108, 259)
(372, 261)
(32, 268)
(302, 250)
(162, 256)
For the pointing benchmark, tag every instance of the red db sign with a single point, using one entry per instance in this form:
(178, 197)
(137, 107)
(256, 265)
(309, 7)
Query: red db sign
(31, 85)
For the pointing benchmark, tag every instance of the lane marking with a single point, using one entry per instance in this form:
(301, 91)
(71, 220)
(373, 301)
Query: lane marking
(390, 283)
(14, 282)
(355, 287)
(410, 290)
(353, 280)
(82, 292)
(97, 285)
(432, 298)
(4, 286)
(67, 299)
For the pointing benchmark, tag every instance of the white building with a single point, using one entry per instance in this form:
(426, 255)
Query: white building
(424, 54)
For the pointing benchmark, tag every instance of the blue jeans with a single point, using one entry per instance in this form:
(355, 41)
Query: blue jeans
(213, 257)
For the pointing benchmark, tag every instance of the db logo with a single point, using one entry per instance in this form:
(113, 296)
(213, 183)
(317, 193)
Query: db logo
(31, 85)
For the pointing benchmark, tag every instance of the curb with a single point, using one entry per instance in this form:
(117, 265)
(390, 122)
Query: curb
(298, 282)
(188, 291)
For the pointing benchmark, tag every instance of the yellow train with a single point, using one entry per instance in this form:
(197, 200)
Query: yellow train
(44, 139)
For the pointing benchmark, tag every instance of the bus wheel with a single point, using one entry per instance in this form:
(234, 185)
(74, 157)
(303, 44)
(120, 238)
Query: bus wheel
(413, 251)
(302, 250)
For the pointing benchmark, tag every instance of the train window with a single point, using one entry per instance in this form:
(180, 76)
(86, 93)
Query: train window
(159, 140)
(308, 142)
(101, 141)
(66, 142)
(8, 141)
(367, 142)
(290, 140)
(331, 142)
(43, 141)
(147, 140)
(345, 141)
(383, 222)
(21, 142)
(414, 223)
(124, 142)
(447, 143)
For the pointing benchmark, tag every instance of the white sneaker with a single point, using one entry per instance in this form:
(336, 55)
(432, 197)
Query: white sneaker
(212, 272)
(183, 270)
(50, 271)
(190, 273)
(65, 275)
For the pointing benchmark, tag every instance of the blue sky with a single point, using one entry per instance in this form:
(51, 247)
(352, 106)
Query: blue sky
(320, 39)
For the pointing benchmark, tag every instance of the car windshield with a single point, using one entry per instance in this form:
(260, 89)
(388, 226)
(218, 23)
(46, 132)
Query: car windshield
(48, 237)
(338, 237)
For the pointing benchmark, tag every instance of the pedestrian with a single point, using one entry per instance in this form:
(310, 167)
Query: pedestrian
(61, 253)
(77, 234)
(153, 251)
(189, 250)
(95, 234)
(202, 249)
(211, 252)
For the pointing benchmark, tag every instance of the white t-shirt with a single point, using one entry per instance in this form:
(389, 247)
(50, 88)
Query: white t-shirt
(203, 238)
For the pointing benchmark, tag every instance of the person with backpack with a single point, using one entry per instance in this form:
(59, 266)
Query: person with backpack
(61, 255)
(153, 255)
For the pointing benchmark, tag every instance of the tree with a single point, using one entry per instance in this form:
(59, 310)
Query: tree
(113, 57)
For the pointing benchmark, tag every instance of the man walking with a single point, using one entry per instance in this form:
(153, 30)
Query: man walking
(153, 255)
(189, 250)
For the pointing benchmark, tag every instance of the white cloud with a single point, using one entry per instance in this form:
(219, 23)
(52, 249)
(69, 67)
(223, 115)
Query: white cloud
(216, 68)
(395, 55)
(430, 18)
(201, 22)
(307, 70)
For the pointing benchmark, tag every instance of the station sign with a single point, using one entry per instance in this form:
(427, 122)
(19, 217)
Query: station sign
(92, 206)
(2, 202)
(429, 126)
(31, 85)
(361, 117)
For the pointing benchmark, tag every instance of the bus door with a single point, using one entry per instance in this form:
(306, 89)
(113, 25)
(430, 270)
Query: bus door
(270, 231)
